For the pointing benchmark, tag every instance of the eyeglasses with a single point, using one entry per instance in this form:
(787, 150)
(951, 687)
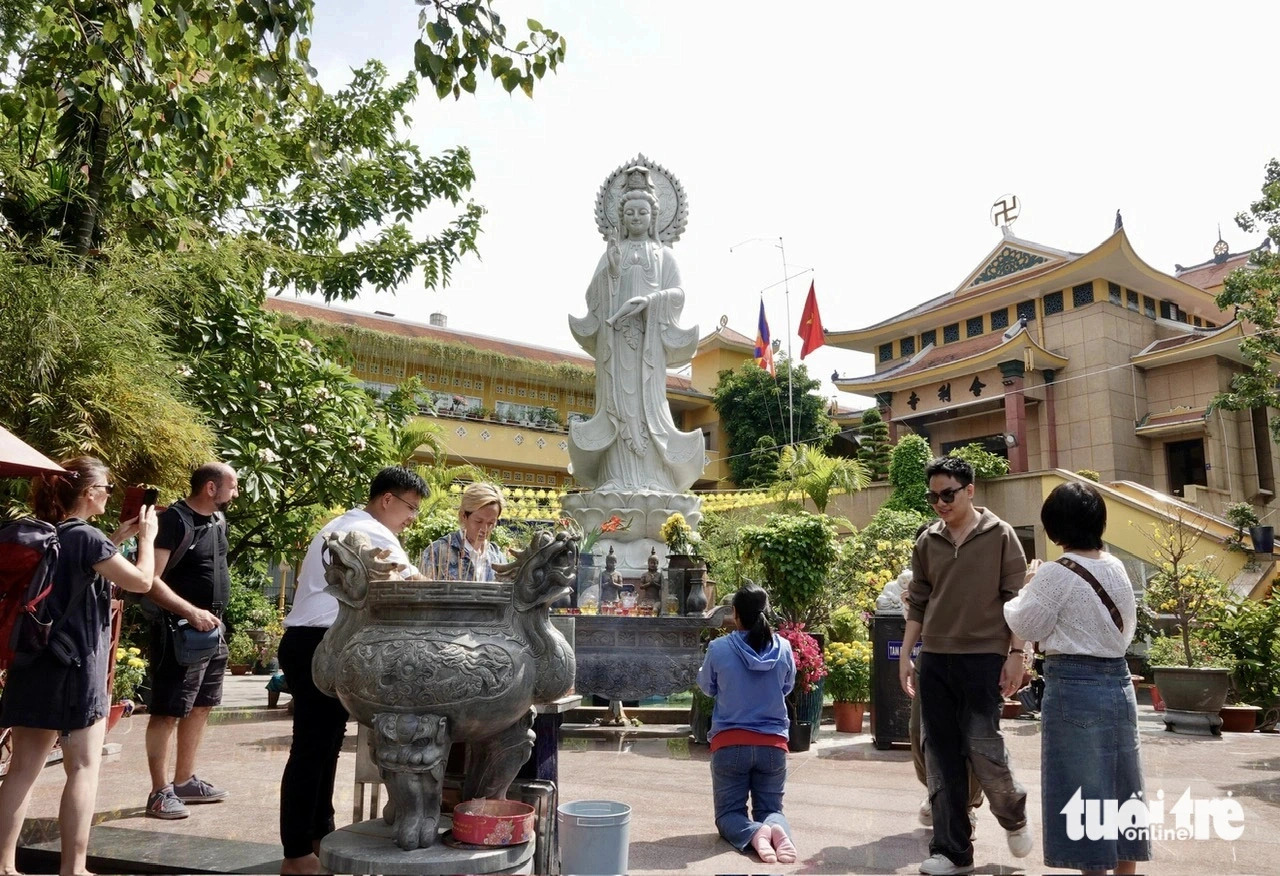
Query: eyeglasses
(409, 505)
(110, 488)
(946, 497)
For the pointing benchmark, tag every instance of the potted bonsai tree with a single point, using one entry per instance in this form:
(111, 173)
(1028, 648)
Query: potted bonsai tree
(1192, 679)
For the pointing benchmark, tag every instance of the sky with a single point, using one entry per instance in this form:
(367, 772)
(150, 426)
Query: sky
(869, 139)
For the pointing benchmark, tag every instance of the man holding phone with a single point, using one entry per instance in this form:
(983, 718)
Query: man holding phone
(191, 586)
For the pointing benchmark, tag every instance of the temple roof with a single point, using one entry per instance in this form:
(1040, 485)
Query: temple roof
(985, 351)
(1018, 270)
(409, 329)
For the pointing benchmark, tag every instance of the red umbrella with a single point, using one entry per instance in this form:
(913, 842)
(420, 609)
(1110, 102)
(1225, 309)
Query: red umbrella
(19, 459)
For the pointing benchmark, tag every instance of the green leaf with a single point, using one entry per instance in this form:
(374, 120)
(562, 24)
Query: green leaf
(534, 25)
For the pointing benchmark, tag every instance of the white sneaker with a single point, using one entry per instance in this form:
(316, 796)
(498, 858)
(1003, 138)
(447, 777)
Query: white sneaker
(941, 865)
(926, 814)
(973, 824)
(1020, 841)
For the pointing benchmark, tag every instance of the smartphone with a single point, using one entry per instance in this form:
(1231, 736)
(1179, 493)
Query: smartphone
(135, 498)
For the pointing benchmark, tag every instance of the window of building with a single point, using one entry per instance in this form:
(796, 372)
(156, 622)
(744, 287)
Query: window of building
(1114, 293)
(1081, 294)
(1000, 319)
(1027, 310)
(907, 347)
(1197, 322)
(1148, 307)
(1262, 450)
(1186, 464)
(1131, 298)
(886, 352)
(929, 338)
(951, 333)
(1053, 303)
(973, 327)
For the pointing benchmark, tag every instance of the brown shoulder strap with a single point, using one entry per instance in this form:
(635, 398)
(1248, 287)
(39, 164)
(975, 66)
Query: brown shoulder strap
(1107, 601)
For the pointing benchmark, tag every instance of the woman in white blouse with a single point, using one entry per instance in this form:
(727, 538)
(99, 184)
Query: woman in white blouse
(1081, 610)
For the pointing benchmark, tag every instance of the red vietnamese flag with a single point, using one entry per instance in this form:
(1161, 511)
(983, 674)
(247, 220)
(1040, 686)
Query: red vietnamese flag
(811, 325)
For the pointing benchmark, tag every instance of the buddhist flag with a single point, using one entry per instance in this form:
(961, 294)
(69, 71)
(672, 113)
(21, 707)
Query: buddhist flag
(811, 325)
(764, 350)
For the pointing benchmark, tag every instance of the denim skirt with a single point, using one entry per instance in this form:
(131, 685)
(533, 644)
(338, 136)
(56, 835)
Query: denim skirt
(1089, 745)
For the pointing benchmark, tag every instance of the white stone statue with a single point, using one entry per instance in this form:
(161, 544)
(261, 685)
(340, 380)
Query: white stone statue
(632, 329)
(633, 460)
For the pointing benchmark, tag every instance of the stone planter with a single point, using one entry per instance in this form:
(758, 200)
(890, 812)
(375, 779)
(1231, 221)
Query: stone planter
(1193, 697)
(1239, 719)
(849, 717)
(1263, 538)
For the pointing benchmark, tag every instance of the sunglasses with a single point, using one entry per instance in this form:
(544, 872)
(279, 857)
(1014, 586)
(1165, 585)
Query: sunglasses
(110, 488)
(946, 497)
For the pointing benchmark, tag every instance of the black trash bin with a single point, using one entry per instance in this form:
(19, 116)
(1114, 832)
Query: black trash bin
(890, 705)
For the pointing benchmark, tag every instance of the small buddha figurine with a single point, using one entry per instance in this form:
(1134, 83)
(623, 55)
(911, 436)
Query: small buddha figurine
(610, 579)
(651, 581)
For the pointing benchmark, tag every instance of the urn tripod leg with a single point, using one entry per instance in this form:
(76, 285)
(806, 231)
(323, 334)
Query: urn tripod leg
(411, 752)
(493, 763)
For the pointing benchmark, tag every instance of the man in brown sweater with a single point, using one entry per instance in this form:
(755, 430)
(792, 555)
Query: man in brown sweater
(965, 567)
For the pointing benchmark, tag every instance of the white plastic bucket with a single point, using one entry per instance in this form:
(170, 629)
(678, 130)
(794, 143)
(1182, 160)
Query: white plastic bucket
(594, 837)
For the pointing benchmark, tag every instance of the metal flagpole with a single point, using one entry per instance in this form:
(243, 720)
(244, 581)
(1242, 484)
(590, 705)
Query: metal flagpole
(791, 399)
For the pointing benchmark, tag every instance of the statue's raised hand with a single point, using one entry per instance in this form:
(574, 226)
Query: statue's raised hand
(635, 305)
(615, 255)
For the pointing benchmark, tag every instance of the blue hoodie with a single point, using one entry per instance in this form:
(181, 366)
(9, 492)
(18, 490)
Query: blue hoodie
(750, 688)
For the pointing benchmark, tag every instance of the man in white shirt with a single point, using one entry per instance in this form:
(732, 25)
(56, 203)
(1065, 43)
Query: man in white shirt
(320, 721)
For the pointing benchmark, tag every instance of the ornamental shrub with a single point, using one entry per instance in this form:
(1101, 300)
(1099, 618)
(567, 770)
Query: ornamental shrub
(794, 553)
(986, 465)
(907, 463)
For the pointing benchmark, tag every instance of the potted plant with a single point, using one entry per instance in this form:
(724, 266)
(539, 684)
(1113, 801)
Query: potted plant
(686, 573)
(1242, 515)
(130, 670)
(805, 698)
(241, 651)
(1193, 678)
(848, 682)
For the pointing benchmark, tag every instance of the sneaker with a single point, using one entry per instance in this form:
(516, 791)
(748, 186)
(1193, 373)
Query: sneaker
(926, 814)
(973, 824)
(941, 865)
(1020, 841)
(163, 804)
(195, 790)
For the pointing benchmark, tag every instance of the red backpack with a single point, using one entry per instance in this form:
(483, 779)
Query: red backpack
(28, 561)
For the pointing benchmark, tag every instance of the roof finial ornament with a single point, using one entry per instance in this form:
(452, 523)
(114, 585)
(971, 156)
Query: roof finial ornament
(1220, 249)
(1119, 221)
(1004, 212)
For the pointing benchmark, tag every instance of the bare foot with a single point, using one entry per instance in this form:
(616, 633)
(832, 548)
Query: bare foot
(782, 844)
(764, 848)
(304, 864)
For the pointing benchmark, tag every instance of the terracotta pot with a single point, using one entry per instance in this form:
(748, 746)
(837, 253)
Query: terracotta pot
(849, 717)
(114, 714)
(1239, 719)
(1011, 709)
(240, 668)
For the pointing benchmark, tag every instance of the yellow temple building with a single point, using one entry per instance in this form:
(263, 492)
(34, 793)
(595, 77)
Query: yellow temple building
(505, 405)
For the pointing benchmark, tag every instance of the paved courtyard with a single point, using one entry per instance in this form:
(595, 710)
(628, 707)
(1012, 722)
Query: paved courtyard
(853, 808)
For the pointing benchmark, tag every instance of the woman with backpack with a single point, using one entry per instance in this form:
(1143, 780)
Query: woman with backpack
(61, 688)
(750, 672)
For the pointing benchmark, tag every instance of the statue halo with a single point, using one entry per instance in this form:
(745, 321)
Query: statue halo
(673, 204)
